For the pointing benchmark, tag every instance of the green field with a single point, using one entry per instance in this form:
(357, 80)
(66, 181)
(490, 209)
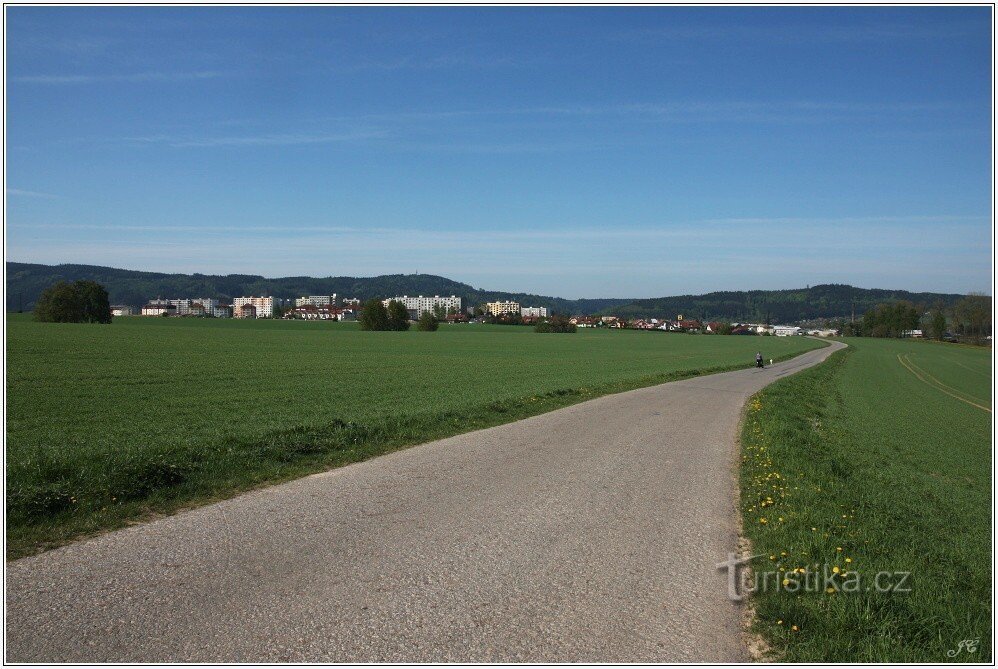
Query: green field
(878, 460)
(111, 423)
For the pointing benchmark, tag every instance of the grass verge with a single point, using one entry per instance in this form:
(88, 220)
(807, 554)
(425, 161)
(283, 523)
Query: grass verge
(856, 468)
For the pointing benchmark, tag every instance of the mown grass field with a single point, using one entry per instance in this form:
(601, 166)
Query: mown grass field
(878, 460)
(111, 423)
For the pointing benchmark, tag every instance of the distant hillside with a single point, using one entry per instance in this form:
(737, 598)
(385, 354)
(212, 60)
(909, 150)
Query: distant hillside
(776, 306)
(25, 282)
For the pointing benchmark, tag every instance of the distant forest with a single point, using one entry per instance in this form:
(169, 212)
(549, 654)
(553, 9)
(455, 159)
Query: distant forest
(25, 282)
(825, 301)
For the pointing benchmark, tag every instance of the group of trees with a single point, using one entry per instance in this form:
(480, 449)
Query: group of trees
(891, 320)
(77, 302)
(969, 319)
(554, 324)
(513, 318)
(374, 315)
(972, 317)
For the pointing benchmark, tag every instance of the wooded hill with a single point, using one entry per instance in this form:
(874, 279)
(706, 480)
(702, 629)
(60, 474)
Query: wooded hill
(25, 283)
(778, 306)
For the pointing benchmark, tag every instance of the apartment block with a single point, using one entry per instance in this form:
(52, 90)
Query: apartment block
(417, 306)
(253, 307)
(499, 308)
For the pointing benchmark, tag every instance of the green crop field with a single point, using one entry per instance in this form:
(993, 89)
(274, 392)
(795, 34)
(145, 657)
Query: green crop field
(876, 462)
(110, 423)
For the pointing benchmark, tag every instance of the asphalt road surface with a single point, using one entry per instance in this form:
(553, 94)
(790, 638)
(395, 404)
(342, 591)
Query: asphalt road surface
(590, 533)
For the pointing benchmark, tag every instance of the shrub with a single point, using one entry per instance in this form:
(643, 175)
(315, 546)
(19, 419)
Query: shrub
(427, 322)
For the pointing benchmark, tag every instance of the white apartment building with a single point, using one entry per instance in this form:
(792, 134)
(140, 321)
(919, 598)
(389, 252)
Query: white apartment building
(158, 308)
(786, 330)
(317, 300)
(534, 312)
(253, 307)
(183, 307)
(497, 308)
(417, 306)
(121, 310)
(219, 310)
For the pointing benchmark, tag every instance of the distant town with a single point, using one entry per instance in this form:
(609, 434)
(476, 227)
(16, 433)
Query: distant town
(447, 309)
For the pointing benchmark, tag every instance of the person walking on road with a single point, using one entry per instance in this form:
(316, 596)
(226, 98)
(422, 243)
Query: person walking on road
(758, 359)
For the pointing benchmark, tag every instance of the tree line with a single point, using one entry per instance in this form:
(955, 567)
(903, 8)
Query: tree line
(969, 319)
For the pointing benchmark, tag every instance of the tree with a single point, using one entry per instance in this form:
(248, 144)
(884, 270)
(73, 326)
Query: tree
(427, 322)
(373, 315)
(439, 312)
(723, 329)
(972, 317)
(398, 316)
(78, 302)
(937, 323)
(94, 302)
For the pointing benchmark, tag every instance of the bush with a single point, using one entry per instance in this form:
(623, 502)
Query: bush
(554, 324)
(427, 322)
(77, 302)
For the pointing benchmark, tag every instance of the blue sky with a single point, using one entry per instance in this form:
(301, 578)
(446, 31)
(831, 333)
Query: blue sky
(598, 152)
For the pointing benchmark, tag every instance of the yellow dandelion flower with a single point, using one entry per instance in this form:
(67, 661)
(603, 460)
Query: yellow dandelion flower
(794, 627)
(830, 590)
(835, 570)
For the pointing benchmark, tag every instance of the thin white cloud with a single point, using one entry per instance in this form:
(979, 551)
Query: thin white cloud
(31, 193)
(135, 77)
(281, 139)
(441, 62)
(802, 33)
(448, 131)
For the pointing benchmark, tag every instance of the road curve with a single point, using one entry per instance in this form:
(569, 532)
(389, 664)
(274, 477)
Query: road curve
(589, 534)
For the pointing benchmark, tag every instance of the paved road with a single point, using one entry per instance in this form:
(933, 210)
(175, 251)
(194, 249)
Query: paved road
(586, 534)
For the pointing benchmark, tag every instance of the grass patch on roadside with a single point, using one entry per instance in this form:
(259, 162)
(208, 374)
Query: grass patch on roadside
(860, 466)
(112, 424)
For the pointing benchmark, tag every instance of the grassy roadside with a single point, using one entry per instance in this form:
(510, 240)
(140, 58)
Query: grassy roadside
(857, 467)
(58, 502)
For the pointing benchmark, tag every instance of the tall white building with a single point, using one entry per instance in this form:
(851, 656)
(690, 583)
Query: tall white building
(184, 307)
(253, 307)
(534, 312)
(317, 301)
(498, 308)
(417, 306)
